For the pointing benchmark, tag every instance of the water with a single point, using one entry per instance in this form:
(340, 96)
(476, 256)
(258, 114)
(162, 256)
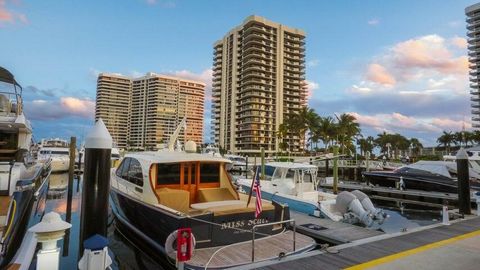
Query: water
(126, 255)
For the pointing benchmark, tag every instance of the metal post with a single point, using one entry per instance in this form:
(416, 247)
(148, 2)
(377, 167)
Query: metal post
(463, 182)
(326, 168)
(263, 162)
(246, 166)
(335, 169)
(96, 183)
(79, 164)
(71, 171)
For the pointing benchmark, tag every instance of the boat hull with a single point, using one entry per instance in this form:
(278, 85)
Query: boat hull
(439, 184)
(26, 207)
(152, 225)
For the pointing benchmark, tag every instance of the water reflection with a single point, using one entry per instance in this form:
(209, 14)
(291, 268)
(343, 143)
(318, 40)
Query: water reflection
(123, 253)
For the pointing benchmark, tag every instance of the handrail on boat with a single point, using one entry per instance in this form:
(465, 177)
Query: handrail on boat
(254, 228)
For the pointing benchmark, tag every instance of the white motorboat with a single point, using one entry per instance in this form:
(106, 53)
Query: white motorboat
(473, 159)
(57, 152)
(23, 182)
(238, 164)
(296, 184)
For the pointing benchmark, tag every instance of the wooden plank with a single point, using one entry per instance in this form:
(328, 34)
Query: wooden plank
(266, 248)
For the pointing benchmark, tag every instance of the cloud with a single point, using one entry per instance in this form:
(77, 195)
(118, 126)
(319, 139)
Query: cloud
(374, 21)
(459, 42)
(427, 52)
(311, 86)
(63, 107)
(164, 4)
(313, 63)
(9, 16)
(455, 24)
(46, 92)
(417, 87)
(379, 74)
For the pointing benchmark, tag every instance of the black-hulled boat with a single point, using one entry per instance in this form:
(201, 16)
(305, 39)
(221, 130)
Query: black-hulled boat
(22, 180)
(439, 176)
(155, 193)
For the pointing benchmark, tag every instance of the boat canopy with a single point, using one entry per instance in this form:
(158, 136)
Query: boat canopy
(175, 157)
(6, 76)
(436, 167)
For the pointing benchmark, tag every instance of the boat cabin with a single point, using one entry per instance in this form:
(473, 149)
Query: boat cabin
(291, 178)
(184, 182)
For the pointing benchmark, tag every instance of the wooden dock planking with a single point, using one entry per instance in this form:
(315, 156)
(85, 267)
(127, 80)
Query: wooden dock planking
(354, 254)
(335, 232)
(266, 248)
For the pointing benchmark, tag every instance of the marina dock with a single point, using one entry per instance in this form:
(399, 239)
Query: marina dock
(438, 246)
(418, 197)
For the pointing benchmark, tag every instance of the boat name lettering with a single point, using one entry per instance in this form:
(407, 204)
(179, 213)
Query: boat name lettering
(242, 223)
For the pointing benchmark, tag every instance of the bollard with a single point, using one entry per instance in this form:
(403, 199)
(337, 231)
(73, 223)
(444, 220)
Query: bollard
(445, 216)
(96, 183)
(48, 232)
(463, 182)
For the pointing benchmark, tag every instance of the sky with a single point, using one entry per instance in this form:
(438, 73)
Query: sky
(397, 66)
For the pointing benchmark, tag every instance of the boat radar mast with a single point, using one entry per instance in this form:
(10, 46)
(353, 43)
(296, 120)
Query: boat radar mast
(175, 134)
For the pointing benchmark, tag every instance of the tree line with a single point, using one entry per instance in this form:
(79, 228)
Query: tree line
(344, 130)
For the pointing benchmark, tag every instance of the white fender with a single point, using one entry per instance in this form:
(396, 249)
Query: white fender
(172, 238)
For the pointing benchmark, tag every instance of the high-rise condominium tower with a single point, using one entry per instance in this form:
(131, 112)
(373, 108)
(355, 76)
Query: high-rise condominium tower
(258, 79)
(112, 105)
(152, 107)
(473, 33)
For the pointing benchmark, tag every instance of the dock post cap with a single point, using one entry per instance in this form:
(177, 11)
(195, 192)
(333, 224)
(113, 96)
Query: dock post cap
(99, 137)
(462, 154)
(51, 222)
(96, 242)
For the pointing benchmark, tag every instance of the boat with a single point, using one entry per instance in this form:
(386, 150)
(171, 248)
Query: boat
(295, 184)
(22, 180)
(211, 150)
(154, 194)
(439, 176)
(238, 163)
(473, 158)
(57, 152)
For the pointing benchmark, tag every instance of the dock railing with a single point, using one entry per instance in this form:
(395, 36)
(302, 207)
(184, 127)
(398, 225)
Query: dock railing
(290, 221)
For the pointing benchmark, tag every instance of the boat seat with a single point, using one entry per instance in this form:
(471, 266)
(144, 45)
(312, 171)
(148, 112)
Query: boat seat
(239, 208)
(214, 194)
(174, 198)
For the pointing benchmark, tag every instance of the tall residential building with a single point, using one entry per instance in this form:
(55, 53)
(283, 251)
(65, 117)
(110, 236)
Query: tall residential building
(113, 101)
(258, 79)
(473, 33)
(152, 107)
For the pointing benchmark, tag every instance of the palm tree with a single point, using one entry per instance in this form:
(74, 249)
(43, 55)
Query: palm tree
(326, 130)
(446, 139)
(416, 146)
(347, 129)
(381, 142)
(299, 123)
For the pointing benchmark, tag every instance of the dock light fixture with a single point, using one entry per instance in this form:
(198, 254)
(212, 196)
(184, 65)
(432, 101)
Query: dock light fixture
(48, 232)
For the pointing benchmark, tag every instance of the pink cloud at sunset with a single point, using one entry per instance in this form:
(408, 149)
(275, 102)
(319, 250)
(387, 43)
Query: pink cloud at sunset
(7, 15)
(397, 122)
(378, 74)
(62, 108)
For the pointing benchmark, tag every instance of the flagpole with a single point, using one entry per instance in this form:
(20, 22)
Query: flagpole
(251, 186)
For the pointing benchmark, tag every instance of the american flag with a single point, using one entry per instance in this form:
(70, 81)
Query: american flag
(258, 194)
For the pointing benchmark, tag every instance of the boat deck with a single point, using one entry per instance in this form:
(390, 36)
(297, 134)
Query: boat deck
(330, 231)
(266, 248)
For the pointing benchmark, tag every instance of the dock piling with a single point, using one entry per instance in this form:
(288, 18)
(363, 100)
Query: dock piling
(335, 169)
(96, 183)
(463, 182)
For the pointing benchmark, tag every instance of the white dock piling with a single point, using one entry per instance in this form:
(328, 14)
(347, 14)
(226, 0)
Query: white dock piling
(445, 216)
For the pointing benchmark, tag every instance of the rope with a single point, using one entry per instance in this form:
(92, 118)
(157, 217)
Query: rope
(14, 203)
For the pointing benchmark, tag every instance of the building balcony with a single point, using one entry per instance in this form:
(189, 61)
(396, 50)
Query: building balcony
(475, 99)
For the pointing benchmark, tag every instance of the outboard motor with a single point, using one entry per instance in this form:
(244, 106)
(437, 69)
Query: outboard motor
(367, 204)
(352, 209)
